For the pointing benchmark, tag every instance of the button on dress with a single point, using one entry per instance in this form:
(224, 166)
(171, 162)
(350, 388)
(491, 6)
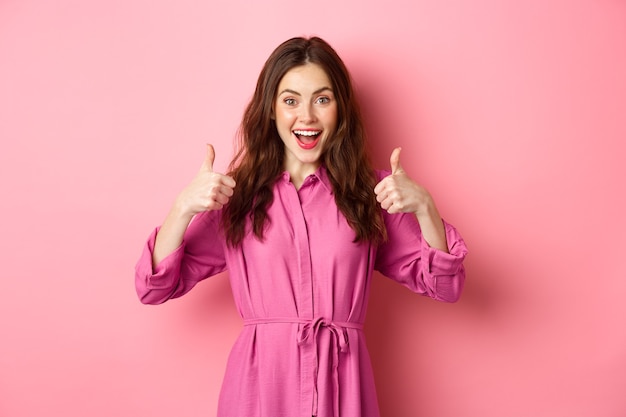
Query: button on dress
(302, 293)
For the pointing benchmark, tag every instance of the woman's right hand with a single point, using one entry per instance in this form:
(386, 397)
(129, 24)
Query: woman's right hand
(209, 190)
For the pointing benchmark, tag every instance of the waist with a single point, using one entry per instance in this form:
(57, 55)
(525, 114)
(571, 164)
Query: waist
(319, 321)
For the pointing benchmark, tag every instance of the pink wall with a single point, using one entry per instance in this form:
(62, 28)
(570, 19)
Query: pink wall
(512, 113)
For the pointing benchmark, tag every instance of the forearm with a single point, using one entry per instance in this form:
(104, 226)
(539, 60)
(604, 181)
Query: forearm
(171, 234)
(432, 227)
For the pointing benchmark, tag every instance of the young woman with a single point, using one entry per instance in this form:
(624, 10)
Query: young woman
(301, 222)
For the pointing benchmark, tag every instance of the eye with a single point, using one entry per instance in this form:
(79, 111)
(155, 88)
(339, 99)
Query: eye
(290, 101)
(323, 100)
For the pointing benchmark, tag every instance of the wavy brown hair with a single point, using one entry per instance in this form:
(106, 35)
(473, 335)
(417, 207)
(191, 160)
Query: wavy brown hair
(259, 160)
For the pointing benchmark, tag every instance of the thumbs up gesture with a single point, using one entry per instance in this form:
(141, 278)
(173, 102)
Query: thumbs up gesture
(209, 190)
(397, 193)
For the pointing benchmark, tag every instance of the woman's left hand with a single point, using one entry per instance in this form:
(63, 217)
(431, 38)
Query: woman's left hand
(398, 193)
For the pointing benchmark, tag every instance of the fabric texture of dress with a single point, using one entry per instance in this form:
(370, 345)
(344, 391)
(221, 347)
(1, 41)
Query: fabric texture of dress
(302, 294)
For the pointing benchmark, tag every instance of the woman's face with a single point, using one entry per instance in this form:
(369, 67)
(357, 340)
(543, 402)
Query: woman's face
(305, 112)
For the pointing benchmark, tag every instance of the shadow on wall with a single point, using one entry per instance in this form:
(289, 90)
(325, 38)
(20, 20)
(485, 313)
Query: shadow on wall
(408, 336)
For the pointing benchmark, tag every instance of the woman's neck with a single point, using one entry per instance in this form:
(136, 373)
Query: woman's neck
(299, 172)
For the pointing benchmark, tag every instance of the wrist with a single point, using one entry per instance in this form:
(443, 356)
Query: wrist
(427, 210)
(181, 211)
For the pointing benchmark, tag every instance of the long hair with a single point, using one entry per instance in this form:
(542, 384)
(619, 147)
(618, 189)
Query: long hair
(259, 160)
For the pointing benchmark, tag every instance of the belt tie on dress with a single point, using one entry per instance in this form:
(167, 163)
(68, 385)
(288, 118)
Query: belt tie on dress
(308, 334)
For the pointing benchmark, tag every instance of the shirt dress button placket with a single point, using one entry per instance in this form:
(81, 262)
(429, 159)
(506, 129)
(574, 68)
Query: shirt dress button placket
(305, 296)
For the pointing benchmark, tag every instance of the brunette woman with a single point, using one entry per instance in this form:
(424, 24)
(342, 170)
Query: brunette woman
(301, 221)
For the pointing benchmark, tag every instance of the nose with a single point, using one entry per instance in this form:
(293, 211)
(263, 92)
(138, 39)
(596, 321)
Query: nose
(307, 114)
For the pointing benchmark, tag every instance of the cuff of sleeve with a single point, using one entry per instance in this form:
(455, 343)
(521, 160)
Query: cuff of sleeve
(166, 272)
(442, 263)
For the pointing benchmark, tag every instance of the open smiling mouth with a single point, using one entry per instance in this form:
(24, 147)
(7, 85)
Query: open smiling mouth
(307, 139)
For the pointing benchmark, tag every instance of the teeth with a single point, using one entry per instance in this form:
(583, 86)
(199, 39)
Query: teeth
(306, 133)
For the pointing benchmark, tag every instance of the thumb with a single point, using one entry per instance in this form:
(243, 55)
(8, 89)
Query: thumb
(394, 160)
(210, 158)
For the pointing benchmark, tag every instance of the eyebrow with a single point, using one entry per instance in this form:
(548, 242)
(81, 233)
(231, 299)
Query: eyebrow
(290, 91)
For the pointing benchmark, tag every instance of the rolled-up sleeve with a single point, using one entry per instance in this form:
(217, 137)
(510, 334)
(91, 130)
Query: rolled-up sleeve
(408, 259)
(201, 255)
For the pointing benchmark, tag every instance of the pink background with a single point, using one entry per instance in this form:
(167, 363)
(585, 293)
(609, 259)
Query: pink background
(511, 113)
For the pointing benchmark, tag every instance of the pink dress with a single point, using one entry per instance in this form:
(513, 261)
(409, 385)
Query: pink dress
(302, 294)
